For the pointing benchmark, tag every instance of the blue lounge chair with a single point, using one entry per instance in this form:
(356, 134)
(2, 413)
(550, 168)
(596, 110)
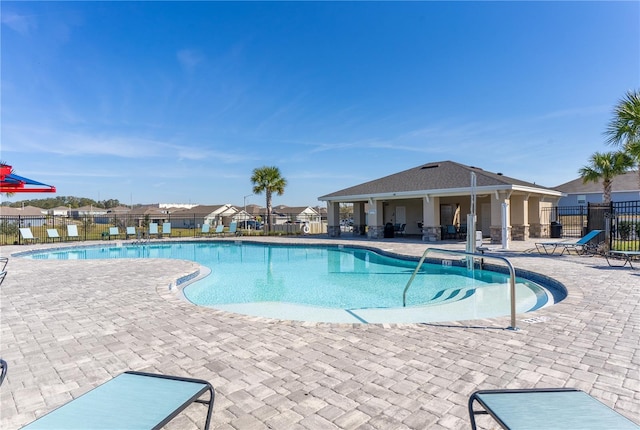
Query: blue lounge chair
(131, 400)
(27, 235)
(153, 229)
(625, 256)
(52, 234)
(233, 229)
(72, 231)
(206, 230)
(114, 231)
(547, 408)
(166, 229)
(580, 247)
(131, 231)
(3, 368)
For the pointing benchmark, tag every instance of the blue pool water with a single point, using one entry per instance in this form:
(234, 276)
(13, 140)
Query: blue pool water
(319, 276)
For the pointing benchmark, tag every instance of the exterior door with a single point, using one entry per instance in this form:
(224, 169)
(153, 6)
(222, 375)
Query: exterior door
(401, 215)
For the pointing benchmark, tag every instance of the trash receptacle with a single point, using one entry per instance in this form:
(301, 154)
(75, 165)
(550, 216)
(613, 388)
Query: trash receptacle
(556, 230)
(388, 230)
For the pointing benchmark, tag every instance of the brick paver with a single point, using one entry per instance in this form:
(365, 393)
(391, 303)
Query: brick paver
(68, 326)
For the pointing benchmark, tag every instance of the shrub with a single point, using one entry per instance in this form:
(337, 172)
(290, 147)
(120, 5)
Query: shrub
(624, 229)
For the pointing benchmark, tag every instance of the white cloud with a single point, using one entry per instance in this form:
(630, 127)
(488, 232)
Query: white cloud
(19, 23)
(189, 58)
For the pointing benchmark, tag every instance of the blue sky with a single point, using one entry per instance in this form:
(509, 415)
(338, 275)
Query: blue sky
(178, 102)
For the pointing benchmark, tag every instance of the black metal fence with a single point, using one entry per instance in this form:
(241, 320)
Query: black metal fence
(619, 220)
(99, 227)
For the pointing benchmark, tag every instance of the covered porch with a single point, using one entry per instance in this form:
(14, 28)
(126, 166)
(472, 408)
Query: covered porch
(502, 206)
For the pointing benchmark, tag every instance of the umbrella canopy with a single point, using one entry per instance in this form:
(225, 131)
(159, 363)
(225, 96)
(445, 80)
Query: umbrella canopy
(12, 183)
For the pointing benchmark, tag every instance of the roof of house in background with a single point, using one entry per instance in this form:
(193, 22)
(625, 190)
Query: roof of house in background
(625, 182)
(442, 175)
(26, 211)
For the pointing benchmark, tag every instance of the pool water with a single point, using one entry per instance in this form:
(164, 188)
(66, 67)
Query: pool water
(245, 274)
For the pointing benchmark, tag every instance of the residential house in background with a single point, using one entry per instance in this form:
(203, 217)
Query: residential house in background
(59, 211)
(29, 216)
(625, 188)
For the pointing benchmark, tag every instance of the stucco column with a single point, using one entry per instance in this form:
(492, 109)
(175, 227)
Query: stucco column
(520, 217)
(359, 219)
(431, 230)
(535, 228)
(498, 198)
(333, 219)
(374, 219)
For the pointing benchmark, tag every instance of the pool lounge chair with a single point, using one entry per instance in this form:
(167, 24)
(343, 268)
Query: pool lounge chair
(131, 232)
(114, 231)
(153, 229)
(546, 408)
(166, 229)
(52, 234)
(3, 370)
(131, 400)
(72, 232)
(219, 230)
(27, 235)
(233, 229)
(206, 230)
(625, 256)
(580, 247)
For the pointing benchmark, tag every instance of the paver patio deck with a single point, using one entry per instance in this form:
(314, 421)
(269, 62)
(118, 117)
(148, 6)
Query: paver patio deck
(68, 326)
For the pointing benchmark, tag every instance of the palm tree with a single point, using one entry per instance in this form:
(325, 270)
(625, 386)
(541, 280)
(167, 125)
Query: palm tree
(624, 129)
(269, 180)
(606, 166)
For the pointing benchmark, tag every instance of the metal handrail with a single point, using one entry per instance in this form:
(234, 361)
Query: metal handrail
(512, 276)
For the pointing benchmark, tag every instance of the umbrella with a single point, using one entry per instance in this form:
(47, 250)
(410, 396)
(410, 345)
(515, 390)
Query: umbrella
(12, 183)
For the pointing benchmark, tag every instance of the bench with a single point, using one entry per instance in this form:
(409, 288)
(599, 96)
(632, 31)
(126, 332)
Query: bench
(625, 255)
(131, 400)
(547, 408)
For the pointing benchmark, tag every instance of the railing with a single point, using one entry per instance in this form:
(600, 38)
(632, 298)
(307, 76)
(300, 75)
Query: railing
(512, 276)
(96, 227)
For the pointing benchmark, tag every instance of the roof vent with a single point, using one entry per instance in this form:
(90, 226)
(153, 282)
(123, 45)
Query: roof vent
(430, 166)
(499, 174)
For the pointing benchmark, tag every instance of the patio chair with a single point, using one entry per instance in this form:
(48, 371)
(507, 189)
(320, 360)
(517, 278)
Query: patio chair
(546, 408)
(114, 231)
(219, 230)
(450, 232)
(27, 235)
(131, 400)
(131, 231)
(206, 230)
(580, 247)
(3, 370)
(153, 229)
(72, 232)
(625, 256)
(3, 275)
(233, 229)
(52, 234)
(166, 229)
(3, 262)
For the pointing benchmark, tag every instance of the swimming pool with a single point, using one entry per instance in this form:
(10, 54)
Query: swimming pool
(327, 283)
